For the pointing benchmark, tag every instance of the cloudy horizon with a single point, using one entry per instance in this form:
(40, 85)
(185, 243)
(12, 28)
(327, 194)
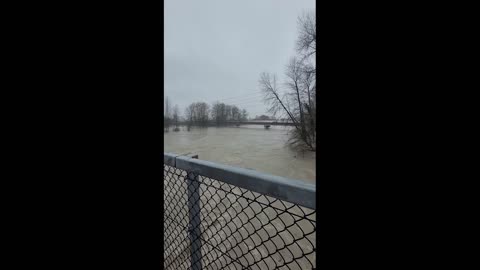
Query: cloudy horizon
(215, 50)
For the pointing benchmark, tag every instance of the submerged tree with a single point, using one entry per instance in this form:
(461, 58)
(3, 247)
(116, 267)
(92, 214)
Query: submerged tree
(167, 115)
(297, 100)
(189, 116)
(175, 117)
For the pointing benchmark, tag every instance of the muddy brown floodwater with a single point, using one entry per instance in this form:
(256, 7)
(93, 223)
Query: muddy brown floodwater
(249, 146)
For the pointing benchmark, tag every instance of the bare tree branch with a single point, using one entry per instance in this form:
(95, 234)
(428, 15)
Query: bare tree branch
(298, 103)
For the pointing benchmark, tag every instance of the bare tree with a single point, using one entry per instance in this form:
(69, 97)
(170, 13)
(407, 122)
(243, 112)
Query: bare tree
(228, 112)
(278, 104)
(297, 103)
(167, 114)
(235, 113)
(308, 86)
(244, 116)
(268, 85)
(175, 117)
(216, 113)
(307, 37)
(203, 110)
(189, 115)
(293, 83)
(197, 114)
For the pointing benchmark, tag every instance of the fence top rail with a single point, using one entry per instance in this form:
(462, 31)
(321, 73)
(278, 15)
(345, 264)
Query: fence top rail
(290, 190)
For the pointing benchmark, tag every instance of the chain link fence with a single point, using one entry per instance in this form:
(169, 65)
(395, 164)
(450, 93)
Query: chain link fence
(246, 220)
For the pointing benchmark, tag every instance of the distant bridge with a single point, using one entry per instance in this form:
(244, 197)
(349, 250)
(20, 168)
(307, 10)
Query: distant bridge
(263, 123)
(274, 123)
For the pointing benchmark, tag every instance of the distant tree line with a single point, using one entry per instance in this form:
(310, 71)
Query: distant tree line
(222, 113)
(196, 114)
(263, 117)
(202, 115)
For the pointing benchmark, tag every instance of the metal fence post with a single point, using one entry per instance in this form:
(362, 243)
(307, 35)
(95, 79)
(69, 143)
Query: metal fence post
(194, 221)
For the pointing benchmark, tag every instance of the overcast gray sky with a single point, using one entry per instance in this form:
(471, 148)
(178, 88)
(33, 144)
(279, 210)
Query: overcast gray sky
(216, 49)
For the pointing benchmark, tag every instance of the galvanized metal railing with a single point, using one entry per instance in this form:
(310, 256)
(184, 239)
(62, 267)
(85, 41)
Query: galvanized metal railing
(223, 217)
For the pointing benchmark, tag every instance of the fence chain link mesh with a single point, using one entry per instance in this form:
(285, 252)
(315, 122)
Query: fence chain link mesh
(240, 229)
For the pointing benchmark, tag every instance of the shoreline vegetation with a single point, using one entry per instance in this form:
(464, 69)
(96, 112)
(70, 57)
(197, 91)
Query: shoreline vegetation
(295, 98)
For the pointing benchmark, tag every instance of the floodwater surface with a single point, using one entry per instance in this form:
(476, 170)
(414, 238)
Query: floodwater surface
(249, 146)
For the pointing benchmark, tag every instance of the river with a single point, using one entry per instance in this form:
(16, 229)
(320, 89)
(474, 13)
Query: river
(248, 146)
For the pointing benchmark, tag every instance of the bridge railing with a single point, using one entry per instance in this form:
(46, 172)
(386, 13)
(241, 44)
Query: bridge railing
(223, 217)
